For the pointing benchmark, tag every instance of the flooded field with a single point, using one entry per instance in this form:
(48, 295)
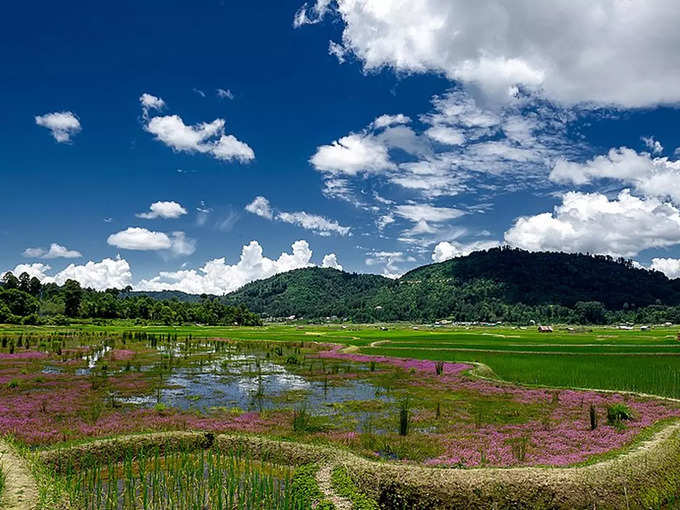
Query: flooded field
(67, 387)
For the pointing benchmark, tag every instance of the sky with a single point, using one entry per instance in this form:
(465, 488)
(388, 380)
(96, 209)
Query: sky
(199, 146)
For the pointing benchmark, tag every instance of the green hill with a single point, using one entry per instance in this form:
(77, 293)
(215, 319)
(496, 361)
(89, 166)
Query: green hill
(498, 284)
(310, 292)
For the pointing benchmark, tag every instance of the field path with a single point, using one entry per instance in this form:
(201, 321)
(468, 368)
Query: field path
(323, 478)
(21, 491)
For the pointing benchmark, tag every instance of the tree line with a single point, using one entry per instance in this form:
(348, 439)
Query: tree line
(25, 300)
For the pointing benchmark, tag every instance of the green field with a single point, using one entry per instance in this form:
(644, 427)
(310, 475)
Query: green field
(606, 358)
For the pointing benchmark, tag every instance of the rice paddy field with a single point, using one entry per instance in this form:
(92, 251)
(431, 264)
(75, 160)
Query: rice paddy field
(452, 398)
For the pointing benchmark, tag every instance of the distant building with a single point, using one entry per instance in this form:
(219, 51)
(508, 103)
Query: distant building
(545, 329)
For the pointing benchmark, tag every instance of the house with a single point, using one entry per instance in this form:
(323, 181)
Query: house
(545, 329)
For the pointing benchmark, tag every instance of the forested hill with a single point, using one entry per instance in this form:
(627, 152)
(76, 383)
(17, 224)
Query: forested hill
(498, 284)
(556, 278)
(310, 292)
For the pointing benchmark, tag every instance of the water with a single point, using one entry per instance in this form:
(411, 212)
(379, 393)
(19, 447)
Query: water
(250, 382)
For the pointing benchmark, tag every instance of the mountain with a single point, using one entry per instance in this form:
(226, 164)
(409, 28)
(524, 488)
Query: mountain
(501, 283)
(309, 292)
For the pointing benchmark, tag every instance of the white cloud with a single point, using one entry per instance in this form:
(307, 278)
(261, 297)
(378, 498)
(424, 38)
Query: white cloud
(384, 121)
(669, 267)
(218, 277)
(318, 224)
(307, 14)
(136, 238)
(390, 261)
(513, 147)
(426, 212)
(351, 155)
(331, 260)
(446, 135)
(167, 210)
(180, 244)
(105, 274)
(594, 224)
(571, 51)
(141, 239)
(261, 207)
(446, 250)
(108, 273)
(653, 145)
(206, 138)
(657, 177)
(55, 251)
(225, 94)
(62, 125)
(149, 103)
(37, 270)
(198, 91)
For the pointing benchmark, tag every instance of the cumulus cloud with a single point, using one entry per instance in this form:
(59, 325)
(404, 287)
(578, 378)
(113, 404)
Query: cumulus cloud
(566, 50)
(55, 251)
(219, 277)
(669, 267)
(650, 176)
(591, 223)
(331, 260)
(105, 274)
(166, 210)
(205, 137)
(137, 238)
(141, 239)
(351, 155)
(260, 206)
(62, 125)
(446, 250)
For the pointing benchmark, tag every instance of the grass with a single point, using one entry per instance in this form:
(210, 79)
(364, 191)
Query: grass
(183, 480)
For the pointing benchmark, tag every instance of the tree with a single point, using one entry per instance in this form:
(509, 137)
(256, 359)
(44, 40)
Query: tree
(24, 282)
(73, 294)
(9, 281)
(34, 287)
(590, 312)
(19, 302)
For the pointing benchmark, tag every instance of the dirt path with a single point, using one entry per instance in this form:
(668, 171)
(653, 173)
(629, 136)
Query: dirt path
(21, 491)
(323, 478)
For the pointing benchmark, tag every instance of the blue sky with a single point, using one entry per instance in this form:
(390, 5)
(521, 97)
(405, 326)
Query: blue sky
(364, 129)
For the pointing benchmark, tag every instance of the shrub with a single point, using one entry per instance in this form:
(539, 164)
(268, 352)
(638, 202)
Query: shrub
(13, 384)
(439, 367)
(617, 413)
